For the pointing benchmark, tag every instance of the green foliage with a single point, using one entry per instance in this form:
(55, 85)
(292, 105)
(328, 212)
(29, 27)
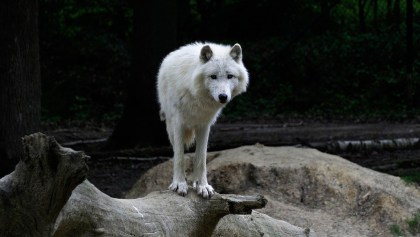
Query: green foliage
(414, 224)
(85, 58)
(396, 230)
(347, 74)
(339, 72)
(329, 75)
(310, 58)
(411, 178)
(81, 108)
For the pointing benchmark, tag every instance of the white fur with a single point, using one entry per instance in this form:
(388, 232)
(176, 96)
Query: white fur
(190, 102)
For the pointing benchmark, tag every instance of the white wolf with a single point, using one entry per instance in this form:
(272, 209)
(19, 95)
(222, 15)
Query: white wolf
(194, 83)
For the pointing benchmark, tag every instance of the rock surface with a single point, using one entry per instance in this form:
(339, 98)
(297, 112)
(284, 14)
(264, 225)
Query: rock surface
(306, 188)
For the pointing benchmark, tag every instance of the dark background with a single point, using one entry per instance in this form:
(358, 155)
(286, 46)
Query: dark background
(324, 58)
(74, 62)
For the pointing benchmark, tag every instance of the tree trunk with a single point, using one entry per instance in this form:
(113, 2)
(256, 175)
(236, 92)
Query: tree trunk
(154, 37)
(397, 13)
(375, 14)
(20, 85)
(409, 53)
(362, 16)
(389, 11)
(33, 203)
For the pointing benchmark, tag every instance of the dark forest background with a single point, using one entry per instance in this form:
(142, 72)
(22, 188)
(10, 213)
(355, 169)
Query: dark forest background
(328, 58)
(96, 62)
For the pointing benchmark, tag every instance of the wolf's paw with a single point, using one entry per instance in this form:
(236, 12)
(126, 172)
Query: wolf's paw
(180, 187)
(205, 190)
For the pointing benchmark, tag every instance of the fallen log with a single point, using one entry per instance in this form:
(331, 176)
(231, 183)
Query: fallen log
(42, 197)
(90, 212)
(367, 145)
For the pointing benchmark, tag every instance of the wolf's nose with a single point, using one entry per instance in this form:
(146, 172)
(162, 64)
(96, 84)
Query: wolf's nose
(223, 98)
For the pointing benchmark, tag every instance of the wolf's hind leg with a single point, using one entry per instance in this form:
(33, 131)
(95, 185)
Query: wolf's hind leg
(170, 131)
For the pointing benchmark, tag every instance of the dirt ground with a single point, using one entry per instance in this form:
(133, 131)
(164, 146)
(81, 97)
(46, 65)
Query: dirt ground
(114, 173)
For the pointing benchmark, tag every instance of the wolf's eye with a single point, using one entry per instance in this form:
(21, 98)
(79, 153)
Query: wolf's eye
(230, 76)
(213, 76)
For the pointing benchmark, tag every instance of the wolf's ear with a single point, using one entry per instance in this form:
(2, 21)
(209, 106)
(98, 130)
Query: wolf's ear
(206, 54)
(236, 52)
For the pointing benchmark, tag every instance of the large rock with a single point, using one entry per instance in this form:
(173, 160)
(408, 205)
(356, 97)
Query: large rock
(306, 188)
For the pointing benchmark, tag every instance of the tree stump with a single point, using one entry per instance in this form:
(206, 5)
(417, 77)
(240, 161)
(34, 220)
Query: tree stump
(47, 195)
(32, 196)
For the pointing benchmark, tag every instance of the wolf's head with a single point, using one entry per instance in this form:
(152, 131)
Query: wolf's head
(222, 72)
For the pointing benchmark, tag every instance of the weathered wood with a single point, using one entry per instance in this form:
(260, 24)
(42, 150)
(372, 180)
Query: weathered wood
(367, 145)
(42, 197)
(258, 224)
(164, 213)
(32, 196)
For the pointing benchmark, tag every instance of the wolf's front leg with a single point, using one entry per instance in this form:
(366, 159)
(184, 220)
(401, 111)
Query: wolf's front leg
(200, 171)
(179, 183)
